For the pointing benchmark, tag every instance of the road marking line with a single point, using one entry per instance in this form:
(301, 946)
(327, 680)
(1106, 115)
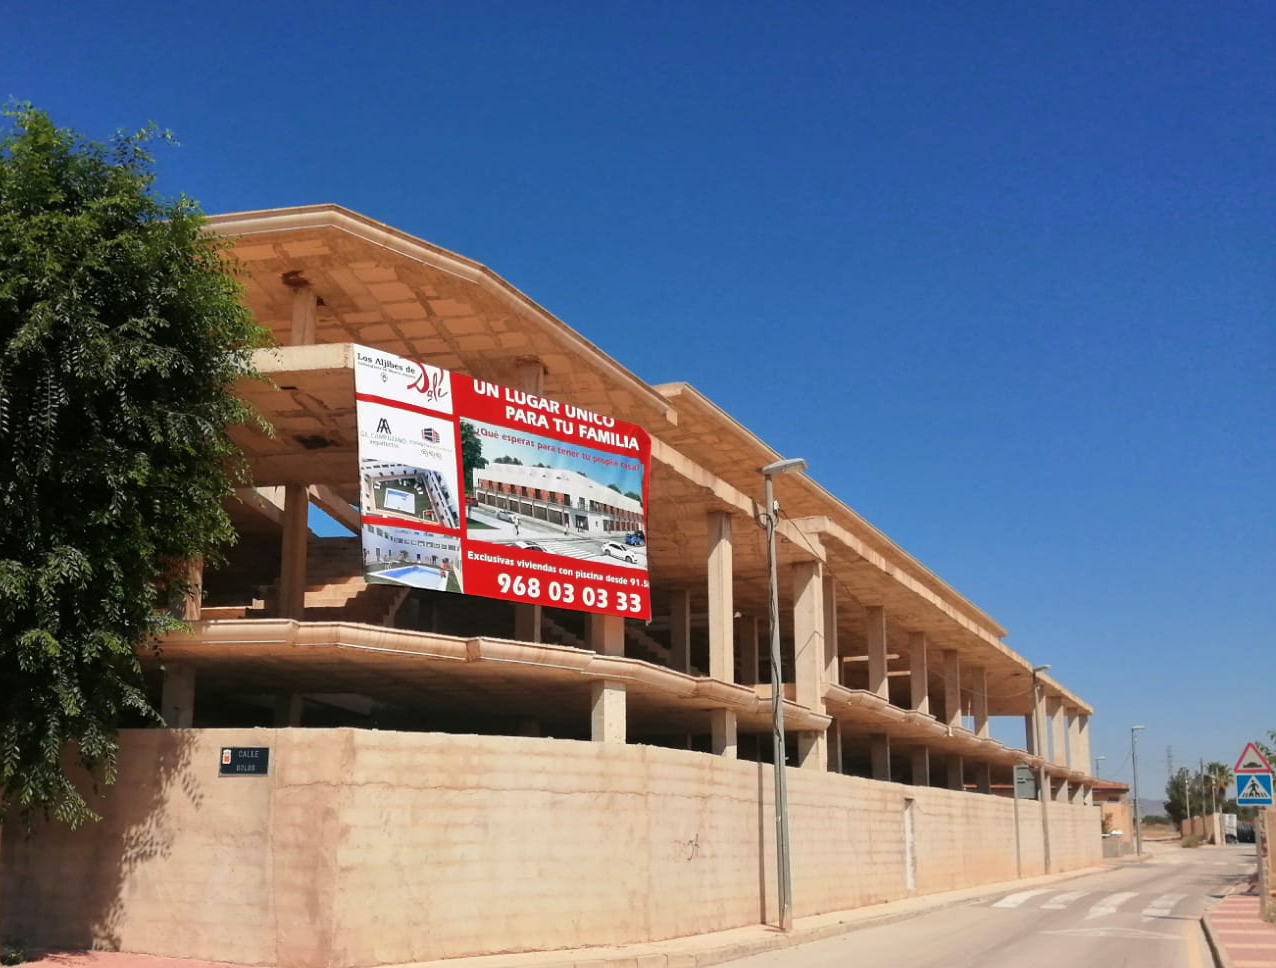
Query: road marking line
(1014, 900)
(1162, 906)
(1110, 904)
(1063, 900)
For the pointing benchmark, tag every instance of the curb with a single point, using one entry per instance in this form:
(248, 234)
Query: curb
(1220, 955)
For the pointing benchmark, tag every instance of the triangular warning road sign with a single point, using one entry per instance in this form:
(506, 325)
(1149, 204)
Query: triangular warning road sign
(1252, 761)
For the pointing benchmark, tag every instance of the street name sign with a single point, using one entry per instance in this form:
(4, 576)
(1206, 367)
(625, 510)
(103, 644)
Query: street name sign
(1254, 790)
(244, 761)
(1252, 761)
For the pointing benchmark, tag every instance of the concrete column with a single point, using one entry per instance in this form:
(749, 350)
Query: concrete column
(722, 726)
(288, 709)
(177, 699)
(832, 656)
(808, 656)
(292, 566)
(527, 622)
(1061, 792)
(680, 629)
(956, 773)
(194, 598)
(880, 746)
(983, 777)
(918, 672)
(606, 634)
(721, 606)
(749, 643)
(305, 310)
(1075, 760)
(1058, 731)
(877, 680)
(607, 721)
(1030, 734)
(952, 689)
(921, 766)
(979, 700)
(834, 739)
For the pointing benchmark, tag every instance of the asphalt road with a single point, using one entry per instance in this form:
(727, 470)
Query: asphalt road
(1140, 915)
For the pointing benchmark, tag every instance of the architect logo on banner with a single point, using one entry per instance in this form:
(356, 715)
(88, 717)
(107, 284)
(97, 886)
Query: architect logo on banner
(470, 486)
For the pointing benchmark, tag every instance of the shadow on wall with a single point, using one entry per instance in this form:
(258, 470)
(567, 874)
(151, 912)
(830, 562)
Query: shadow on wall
(65, 889)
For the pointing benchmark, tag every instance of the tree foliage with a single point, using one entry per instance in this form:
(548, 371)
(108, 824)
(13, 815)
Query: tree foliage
(121, 335)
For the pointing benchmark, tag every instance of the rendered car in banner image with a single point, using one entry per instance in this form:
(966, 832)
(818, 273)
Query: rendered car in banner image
(615, 549)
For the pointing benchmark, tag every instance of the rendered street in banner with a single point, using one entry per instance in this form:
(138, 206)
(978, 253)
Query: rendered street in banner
(1139, 915)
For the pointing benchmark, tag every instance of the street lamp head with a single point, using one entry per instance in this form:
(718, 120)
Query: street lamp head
(784, 467)
(1040, 668)
(1133, 728)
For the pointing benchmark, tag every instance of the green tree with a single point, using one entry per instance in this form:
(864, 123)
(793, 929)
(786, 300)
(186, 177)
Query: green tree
(471, 455)
(121, 337)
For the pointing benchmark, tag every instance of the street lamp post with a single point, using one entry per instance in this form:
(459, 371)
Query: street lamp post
(783, 862)
(1097, 761)
(1043, 785)
(1134, 758)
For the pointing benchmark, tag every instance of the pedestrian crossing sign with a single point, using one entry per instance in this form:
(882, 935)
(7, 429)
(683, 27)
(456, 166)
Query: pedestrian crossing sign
(1254, 790)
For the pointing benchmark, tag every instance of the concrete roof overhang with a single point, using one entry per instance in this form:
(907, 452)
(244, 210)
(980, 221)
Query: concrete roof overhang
(387, 289)
(446, 674)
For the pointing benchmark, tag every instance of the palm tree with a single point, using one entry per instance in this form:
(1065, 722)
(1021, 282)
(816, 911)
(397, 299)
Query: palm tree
(1218, 779)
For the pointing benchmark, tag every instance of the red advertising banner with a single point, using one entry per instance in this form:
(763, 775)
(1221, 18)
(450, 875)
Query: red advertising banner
(471, 487)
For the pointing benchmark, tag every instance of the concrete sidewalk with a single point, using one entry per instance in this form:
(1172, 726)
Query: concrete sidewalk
(689, 952)
(1238, 935)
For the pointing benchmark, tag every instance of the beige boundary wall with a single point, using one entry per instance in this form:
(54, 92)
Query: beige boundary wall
(366, 848)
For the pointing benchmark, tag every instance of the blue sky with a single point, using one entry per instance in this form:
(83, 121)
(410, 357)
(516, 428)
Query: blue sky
(1001, 272)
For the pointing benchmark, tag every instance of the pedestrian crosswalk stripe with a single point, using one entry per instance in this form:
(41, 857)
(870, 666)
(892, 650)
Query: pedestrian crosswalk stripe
(1014, 900)
(1063, 900)
(1110, 904)
(1162, 906)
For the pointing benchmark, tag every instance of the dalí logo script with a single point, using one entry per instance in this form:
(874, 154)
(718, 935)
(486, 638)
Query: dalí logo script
(429, 386)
